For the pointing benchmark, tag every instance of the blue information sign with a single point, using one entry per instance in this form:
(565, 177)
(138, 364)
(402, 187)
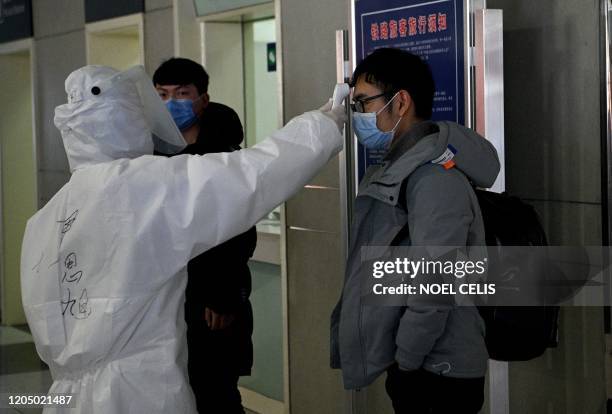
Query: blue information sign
(433, 30)
(96, 10)
(15, 20)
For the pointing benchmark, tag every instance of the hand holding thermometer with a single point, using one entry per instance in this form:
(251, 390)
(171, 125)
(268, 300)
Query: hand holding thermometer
(334, 109)
(341, 91)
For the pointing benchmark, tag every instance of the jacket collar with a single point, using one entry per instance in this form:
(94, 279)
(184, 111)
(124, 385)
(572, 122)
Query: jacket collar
(419, 145)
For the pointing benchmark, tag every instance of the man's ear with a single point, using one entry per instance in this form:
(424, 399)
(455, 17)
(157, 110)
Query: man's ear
(405, 102)
(202, 103)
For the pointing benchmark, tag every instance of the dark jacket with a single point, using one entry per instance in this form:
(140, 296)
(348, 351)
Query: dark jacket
(441, 209)
(220, 278)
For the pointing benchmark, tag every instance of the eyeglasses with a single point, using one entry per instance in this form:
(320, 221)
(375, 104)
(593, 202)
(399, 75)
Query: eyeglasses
(358, 105)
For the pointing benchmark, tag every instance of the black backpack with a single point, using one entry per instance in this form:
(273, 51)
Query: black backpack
(513, 333)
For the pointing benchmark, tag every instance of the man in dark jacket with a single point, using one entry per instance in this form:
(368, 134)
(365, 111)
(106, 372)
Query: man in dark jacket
(434, 354)
(217, 308)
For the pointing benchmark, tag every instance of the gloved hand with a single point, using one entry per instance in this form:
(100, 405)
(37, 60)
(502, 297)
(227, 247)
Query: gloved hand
(338, 114)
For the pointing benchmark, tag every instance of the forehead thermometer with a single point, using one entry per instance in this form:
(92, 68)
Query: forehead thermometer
(341, 91)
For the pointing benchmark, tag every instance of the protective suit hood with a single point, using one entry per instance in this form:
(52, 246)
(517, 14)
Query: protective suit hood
(112, 115)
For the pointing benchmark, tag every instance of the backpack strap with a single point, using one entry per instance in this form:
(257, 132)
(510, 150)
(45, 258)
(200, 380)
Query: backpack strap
(446, 161)
(401, 202)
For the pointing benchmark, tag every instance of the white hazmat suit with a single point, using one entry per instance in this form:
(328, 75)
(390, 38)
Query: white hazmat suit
(103, 263)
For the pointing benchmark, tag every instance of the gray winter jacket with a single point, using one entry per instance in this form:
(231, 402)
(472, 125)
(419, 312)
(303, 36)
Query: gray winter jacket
(441, 209)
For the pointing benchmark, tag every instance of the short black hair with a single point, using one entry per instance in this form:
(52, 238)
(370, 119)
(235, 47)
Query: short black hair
(181, 71)
(395, 69)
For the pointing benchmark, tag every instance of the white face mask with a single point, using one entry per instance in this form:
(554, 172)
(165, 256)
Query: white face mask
(368, 134)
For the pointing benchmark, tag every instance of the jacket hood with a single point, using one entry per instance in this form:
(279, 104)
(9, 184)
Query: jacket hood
(430, 141)
(220, 129)
(99, 127)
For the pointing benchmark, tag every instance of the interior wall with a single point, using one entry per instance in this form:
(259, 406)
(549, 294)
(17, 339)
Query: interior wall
(59, 32)
(223, 61)
(551, 58)
(205, 7)
(187, 34)
(314, 247)
(159, 34)
(120, 51)
(18, 174)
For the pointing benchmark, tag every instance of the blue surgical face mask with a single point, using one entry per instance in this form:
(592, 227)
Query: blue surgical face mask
(368, 134)
(182, 112)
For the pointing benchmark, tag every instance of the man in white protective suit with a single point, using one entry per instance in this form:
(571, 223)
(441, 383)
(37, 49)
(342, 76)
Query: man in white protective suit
(103, 263)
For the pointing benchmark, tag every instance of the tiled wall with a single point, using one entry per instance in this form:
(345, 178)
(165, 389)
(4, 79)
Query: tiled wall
(314, 250)
(59, 34)
(551, 64)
